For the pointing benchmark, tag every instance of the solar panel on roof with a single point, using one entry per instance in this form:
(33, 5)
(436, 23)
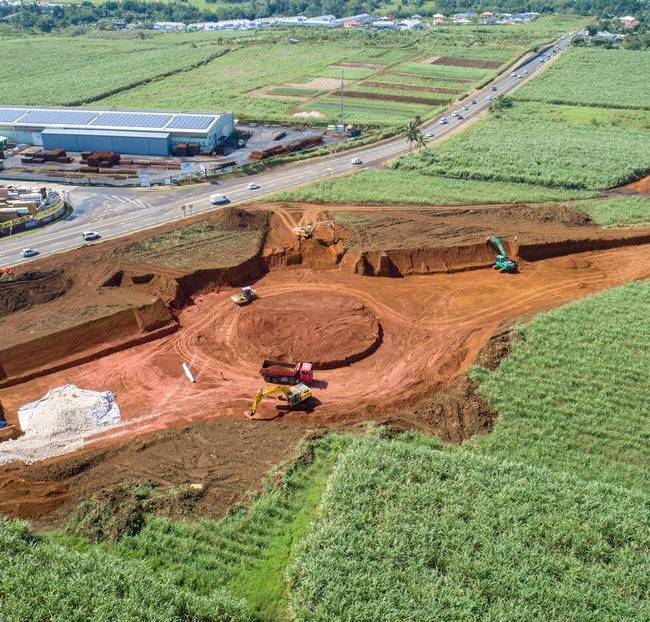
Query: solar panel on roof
(9, 115)
(57, 117)
(132, 119)
(190, 122)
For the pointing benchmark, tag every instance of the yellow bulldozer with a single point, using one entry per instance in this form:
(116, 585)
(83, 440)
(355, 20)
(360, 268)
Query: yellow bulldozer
(293, 395)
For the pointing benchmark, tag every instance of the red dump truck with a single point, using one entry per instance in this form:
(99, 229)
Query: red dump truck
(287, 373)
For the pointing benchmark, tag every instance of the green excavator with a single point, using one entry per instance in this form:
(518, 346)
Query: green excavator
(502, 262)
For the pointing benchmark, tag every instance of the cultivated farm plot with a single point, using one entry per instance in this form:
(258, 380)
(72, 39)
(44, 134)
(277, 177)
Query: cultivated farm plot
(573, 397)
(594, 77)
(533, 143)
(38, 78)
(411, 533)
(369, 111)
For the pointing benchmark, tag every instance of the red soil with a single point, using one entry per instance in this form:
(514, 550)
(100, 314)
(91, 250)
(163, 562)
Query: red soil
(641, 187)
(329, 330)
(467, 62)
(382, 345)
(407, 99)
(433, 327)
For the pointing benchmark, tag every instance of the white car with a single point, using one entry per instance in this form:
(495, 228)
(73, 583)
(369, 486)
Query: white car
(253, 186)
(28, 252)
(219, 199)
(89, 236)
(455, 113)
(430, 134)
(443, 121)
(356, 161)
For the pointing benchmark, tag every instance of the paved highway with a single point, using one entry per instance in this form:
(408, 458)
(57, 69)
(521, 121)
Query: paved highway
(119, 211)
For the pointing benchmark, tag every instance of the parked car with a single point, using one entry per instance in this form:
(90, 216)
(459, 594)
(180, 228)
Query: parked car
(443, 121)
(89, 236)
(430, 134)
(356, 161)
(28, 252)
(253, 186)
(219, 199)
(455, 113)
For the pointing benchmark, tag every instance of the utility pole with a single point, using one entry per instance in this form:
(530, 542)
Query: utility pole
(341, 115)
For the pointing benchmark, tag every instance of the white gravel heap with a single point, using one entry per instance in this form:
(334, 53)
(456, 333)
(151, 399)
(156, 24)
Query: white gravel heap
(58, 422)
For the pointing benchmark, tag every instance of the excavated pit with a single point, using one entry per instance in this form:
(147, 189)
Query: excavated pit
(328, 330)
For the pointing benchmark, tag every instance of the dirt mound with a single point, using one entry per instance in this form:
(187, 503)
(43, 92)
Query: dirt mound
(641, 187)
(25, 290)
(467, 62)
(407, 99)
(224, 457)
(546, 214)
(329, 330)
(456, 413)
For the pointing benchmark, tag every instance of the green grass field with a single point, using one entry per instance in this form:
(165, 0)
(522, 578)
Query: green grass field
(136, 69)
(617, 212)
(410, 187)
(573, 396)
(34, 77)
(43, 579)
(527, 144)
(409, 533)
(594, 77)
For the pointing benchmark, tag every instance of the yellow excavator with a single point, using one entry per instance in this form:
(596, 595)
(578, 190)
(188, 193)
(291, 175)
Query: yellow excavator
(292, 395)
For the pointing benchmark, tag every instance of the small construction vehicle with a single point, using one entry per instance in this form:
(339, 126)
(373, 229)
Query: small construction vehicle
(287, 373)
(292, 395)
(502, 261)
(246, 296)
(306, 230)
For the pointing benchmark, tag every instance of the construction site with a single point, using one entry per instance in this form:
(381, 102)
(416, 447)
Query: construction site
(244, 328)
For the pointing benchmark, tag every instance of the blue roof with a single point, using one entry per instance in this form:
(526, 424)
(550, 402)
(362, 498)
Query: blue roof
(119, 120)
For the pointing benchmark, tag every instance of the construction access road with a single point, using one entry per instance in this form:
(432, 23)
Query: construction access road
(118, 212)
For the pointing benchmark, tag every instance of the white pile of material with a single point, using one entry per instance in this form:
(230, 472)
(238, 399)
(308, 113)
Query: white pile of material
(58, 422)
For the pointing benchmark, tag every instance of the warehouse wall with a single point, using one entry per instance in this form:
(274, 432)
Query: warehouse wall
(136, 145)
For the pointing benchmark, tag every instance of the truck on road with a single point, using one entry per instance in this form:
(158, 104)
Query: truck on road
(287, 373)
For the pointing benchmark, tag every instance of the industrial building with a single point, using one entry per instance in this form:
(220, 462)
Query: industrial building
(138, 133)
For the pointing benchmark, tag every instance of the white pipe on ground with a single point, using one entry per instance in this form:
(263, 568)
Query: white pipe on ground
(188, 373)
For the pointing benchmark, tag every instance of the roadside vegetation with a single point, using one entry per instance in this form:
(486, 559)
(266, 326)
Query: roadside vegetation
(528, 143)
(527, 150)
(594, 77)
(413, 188)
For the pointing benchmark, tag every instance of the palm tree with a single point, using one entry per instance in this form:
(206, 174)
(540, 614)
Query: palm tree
(413, 134)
